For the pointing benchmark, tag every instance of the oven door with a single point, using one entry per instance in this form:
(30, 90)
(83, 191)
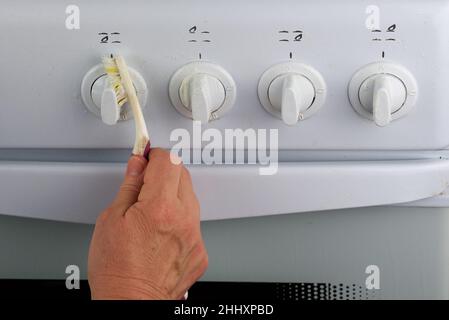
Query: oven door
(63, 190)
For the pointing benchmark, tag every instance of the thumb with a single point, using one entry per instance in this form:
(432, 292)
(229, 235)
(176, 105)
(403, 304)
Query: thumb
(132, 183)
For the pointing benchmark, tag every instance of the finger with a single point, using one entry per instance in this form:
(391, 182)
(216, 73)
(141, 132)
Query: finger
(162, 174)
(131, 186)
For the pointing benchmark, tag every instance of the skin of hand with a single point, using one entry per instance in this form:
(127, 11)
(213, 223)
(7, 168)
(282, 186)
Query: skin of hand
(148, 243)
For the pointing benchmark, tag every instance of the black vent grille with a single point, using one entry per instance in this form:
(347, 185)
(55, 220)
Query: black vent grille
(323, 291)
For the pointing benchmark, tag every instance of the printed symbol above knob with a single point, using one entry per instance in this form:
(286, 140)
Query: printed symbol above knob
(383, 92)
(202, 91)
(292, 91)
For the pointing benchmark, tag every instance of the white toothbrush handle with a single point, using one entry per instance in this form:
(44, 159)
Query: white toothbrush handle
(142, 138)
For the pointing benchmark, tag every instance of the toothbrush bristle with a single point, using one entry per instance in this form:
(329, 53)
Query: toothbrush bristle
(111, 69)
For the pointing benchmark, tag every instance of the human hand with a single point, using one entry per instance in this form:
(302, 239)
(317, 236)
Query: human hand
(148, 244)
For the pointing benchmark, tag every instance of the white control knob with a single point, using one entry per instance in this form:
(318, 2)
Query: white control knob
(202, 91)
(292, 91)
(202, 94)
(382, 95)
(100, 99)
(291, 94)
(383, 92)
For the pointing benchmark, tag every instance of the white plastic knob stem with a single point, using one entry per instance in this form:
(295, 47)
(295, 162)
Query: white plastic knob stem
(202, 94)
(110, 110)
(382, 95)
(382, 101)
(292, 94)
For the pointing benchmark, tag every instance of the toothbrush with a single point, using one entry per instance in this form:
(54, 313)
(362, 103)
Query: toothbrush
(122, 85)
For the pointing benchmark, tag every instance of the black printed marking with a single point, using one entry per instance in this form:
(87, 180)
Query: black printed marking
(298, 37)
(392, 28)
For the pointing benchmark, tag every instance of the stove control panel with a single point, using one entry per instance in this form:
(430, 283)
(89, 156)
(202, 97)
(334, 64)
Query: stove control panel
(352, 76)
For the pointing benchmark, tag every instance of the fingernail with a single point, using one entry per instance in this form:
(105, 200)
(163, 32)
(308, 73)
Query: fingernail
(136, 165)
(175, 159)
